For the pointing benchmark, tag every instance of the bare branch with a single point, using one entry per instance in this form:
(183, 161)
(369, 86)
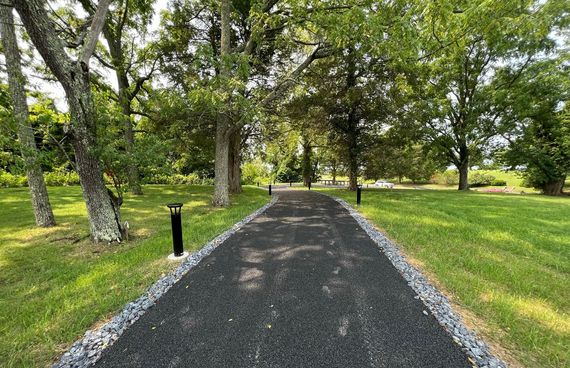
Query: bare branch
(96, 28)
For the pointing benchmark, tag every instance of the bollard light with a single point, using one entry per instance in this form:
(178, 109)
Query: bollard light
(257, 183)
(309, 185)
(176, 220)
(269, 189)
(358, 194)
(290, 184)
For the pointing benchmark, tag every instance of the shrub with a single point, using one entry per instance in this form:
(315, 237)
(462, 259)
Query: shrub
(498, 183)
(8, 180)
(449, 177)
(60, 178)
(480, 180)
(174, 179)
(254, 172)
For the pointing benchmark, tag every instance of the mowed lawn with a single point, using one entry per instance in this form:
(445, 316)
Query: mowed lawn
(504, 258)
(55, 284)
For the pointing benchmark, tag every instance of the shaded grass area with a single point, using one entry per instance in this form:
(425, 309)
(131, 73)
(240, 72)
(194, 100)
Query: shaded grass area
(55, 284)
(505, 258)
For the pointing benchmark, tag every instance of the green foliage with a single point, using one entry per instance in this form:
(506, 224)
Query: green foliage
(253, 172)
(539, 141)
(292, 173)
(176, 179)
(448, 177)
(498, 183)
(393, 158)
(8, 180)
(61, 178)
(478, 179)
(183, 131)
(471, 54)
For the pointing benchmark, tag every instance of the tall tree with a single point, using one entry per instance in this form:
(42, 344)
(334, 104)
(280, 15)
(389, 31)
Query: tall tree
(461, 47)
(40, 200)
(74, 76)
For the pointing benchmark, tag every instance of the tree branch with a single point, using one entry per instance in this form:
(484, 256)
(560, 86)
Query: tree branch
(96, 28)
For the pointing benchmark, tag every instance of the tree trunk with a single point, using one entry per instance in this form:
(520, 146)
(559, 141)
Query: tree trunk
(553, 188)
(307, 168)
(352, 131)
(333, 172)
(16, 81)
(235, 162)
(352, 171)
(221, 191)
(463, 168)
(102, 208)
(221, 188)
(353, 151)
(133, 174)
(116, 50)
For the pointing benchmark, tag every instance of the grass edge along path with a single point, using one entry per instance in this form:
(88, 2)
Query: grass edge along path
(55, 284)
(503, 259)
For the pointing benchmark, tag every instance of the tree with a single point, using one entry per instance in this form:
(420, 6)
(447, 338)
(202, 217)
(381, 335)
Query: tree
(353, 91)
(539, 134)
(74, 76)
(40, 199)
(461, 48)
(266, 41)
(396, 159)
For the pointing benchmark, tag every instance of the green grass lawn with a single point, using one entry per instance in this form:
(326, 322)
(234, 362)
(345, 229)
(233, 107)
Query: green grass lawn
(504, 259)
(511, 177)
(55, 284)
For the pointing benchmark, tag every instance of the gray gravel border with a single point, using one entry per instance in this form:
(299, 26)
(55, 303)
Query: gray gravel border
(88, 350)
(434, 300)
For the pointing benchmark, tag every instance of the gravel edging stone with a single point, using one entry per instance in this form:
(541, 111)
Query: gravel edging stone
(88, 349)
(435, 301)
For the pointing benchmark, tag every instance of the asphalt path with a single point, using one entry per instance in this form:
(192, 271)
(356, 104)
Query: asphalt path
(300, 286)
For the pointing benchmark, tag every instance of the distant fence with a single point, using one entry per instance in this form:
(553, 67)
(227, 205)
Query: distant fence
(333, 182)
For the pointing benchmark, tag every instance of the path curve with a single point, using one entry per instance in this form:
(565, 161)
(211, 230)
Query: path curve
(300, 286)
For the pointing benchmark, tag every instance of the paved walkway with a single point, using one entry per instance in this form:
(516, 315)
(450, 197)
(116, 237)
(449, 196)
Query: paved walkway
(300, 286)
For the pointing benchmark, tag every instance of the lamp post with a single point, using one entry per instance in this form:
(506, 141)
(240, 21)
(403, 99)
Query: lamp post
(176, 220)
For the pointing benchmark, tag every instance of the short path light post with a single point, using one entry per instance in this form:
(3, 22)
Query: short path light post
(269, 189)
(309, 185)
(290, 184)
(176, 220)
(358, 194)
